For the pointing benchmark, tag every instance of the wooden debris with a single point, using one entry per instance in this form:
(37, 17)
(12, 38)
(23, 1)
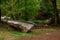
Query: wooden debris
(25, 27)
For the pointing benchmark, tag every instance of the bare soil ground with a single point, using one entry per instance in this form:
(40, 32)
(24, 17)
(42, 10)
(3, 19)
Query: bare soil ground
(55, 35)
(45, 35)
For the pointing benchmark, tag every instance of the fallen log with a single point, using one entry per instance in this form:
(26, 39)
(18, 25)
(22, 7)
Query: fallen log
(23, 26)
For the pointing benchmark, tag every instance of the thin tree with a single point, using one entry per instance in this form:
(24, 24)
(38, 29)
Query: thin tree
(0, 15)
(0, 10)
(55, 11)
(25, 14)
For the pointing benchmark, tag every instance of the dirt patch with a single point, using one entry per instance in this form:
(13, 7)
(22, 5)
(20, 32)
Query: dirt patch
(51, 35)
(55, 35)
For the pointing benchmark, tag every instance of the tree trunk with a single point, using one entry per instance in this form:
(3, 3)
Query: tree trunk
(0, 17)
(0, 14)
(0, 11)
(55, 11)
(26, 16)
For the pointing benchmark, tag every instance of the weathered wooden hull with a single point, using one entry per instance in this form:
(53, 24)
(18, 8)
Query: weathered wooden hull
(24, 27)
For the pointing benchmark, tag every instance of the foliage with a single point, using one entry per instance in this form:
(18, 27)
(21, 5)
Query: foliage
(13, 7)
(16, 8)
(46, 8)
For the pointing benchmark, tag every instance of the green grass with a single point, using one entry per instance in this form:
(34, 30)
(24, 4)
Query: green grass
(41, 21)
(16, 34)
